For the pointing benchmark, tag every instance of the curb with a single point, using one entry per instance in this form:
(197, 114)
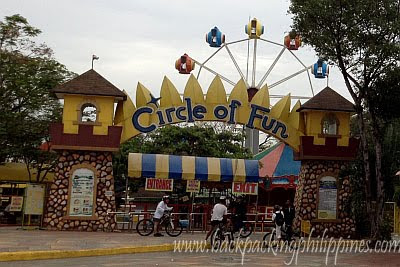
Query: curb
(62, 254)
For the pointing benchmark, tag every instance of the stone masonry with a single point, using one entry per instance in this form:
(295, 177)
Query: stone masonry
(307, 196)
(56, 210)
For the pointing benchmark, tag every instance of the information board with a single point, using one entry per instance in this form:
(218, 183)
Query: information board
(327, 205)
(34, 199)
(82, 193)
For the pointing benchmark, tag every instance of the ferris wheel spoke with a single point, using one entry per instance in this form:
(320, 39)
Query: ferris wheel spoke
(292, 96)
(198, 73)
(214, 72)
(239, 41)
(289, 77)
(213, 54)
(309, 79)
(271, 68)
(271, 42)
(236, 64)
(308, 74)
(253, 79)
(210, 57)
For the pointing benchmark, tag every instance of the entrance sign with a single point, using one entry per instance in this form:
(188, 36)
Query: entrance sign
(193, 186)
(191, 113)
(82, 193)
(16, 203)
(34, 199)
(245, 188)
(151, 112)
(153, 184)
(327, 205)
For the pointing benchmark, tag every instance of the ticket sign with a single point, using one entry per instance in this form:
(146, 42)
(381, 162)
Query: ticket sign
(245, 188)
(153, 184)
(16, 203)
(193, 186)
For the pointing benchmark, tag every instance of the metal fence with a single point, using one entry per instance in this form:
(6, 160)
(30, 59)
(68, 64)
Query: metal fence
(194, 221)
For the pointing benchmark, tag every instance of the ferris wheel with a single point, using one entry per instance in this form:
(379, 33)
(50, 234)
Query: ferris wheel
(254, 30)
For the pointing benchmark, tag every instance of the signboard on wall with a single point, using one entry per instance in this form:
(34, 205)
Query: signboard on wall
(153, 184)
(82, 192)
(193, 186)
(34, 199)
(245, 188)
(327, 204)
(16, 203)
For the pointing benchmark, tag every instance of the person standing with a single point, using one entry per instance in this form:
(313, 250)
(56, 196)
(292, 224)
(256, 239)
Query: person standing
(289, 213)
(161, 208)
(279, 219)
(239, 213)
(218, 215)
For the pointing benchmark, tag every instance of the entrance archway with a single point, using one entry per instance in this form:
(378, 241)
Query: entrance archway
(279, 121)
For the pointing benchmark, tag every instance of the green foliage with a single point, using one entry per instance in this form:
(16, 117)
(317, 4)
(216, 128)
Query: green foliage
(362, 39)
(28, 72)
(364, 34)
(184, 141)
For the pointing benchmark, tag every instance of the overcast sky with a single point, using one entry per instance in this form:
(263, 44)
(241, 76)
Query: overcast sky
(140, 40)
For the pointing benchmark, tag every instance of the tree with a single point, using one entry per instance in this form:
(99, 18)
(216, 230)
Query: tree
(185, 141)
(361, 38)
(28, 72)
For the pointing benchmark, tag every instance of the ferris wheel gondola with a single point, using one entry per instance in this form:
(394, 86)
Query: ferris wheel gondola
(184, 64)
(292, 41)
(254, 29)
(215, 38)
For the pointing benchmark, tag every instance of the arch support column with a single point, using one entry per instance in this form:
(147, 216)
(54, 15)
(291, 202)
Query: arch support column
(325, 204)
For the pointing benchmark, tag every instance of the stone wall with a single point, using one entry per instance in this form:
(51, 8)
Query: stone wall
(56, 210)
(307, 196)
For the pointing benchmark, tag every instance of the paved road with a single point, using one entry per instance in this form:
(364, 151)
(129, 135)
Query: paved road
(212, 259)
(12, 239)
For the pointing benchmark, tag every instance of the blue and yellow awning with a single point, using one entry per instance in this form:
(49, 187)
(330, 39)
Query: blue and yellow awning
(192, 168)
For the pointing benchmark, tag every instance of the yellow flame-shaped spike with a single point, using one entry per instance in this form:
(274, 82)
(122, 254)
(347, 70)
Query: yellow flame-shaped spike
(123, 117)
(124, 110)
(142, 95)
(239, 92)
(296, 119)
(216, 93)
(281, 109)
(169, 95)
(193, 90)
(261, 98)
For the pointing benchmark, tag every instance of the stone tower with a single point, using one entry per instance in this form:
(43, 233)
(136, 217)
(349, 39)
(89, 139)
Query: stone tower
(83, 189)
(322, 193)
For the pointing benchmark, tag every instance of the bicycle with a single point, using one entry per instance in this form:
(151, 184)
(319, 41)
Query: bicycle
(269, 238)
(220, 236)
(245, 230)
(145, 227)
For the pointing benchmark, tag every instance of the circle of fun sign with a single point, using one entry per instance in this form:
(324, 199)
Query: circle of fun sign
(151, 112)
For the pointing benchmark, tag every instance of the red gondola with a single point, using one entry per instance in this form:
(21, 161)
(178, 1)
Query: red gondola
(292, 41)
(184, 64)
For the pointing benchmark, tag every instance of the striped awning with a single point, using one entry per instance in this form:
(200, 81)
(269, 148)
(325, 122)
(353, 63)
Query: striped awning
(192, 168)
(278, 161)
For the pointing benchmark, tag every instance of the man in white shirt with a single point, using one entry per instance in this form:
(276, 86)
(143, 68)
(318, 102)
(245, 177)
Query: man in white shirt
(218, 215)
(161, 207)
(279, 219)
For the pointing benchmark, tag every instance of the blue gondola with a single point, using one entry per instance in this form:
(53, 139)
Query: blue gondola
(215, 37)
(320, 69)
